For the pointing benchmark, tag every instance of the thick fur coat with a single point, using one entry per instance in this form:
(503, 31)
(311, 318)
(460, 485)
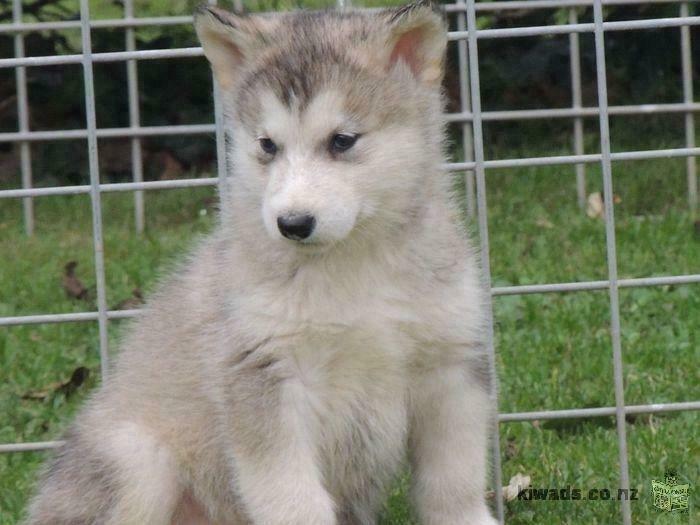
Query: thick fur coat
(329, 331)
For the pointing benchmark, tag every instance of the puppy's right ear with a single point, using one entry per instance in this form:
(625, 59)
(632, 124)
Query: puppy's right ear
(417, 37)
(229, 40)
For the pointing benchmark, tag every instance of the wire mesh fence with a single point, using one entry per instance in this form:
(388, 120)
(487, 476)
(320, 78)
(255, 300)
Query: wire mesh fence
(474, 164)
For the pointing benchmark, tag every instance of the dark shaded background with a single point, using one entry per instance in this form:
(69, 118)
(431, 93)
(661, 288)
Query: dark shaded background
(518, 73)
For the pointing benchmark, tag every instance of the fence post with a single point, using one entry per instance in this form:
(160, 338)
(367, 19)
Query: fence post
(687, 67)
(465, 105)
(575, 57)
(94, 166)
(482, 213)
(23, 118)
(611, 253)
(134, 119)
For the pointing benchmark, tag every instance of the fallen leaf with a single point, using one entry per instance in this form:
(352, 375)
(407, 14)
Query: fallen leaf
(77, 378)
(542, 222)
(71, 284)
(511, 448)
(594, 206)
(515, 485)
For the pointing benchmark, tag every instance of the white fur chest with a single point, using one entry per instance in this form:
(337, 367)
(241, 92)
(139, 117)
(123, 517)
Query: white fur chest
(352, 383)
(345, 356)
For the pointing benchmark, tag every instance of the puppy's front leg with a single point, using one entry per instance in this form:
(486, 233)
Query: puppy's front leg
(449, 426)
(274, 448)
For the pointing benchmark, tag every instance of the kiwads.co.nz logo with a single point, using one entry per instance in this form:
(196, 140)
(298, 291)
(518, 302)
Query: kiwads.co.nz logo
(669, 495)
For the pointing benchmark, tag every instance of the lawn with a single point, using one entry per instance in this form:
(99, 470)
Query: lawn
(554, 350)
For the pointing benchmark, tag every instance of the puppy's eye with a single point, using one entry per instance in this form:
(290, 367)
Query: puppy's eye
(341, 142)
(267, 145)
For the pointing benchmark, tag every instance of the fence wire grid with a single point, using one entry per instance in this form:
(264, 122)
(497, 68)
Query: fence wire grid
(474, 164)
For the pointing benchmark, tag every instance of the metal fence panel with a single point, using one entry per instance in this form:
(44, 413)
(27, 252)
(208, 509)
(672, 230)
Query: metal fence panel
(474, 164)
(611, 252)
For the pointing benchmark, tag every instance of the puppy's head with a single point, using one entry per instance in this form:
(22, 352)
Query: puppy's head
(335, 116)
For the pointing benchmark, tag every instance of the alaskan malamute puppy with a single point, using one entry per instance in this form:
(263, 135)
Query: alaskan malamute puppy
(330, 331)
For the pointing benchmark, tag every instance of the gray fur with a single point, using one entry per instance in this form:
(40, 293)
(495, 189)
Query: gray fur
(279, 382)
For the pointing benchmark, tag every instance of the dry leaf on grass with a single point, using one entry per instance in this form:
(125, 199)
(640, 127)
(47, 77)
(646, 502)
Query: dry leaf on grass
(511, 448)
(543, 222)
(515, 485)
(77, 378)
(73, 286)
(594, 205)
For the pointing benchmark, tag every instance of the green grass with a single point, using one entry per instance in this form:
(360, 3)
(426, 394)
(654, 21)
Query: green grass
(554, 351)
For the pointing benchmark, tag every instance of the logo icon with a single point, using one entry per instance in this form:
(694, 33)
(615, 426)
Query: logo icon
(669, 495)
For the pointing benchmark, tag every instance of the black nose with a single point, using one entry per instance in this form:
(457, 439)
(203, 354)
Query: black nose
(296, 226)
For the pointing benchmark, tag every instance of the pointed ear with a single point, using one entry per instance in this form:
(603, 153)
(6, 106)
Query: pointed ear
(418, 37)
(229, 40)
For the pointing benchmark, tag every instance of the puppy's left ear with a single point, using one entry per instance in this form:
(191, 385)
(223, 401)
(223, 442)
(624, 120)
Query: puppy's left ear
(418, 38)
